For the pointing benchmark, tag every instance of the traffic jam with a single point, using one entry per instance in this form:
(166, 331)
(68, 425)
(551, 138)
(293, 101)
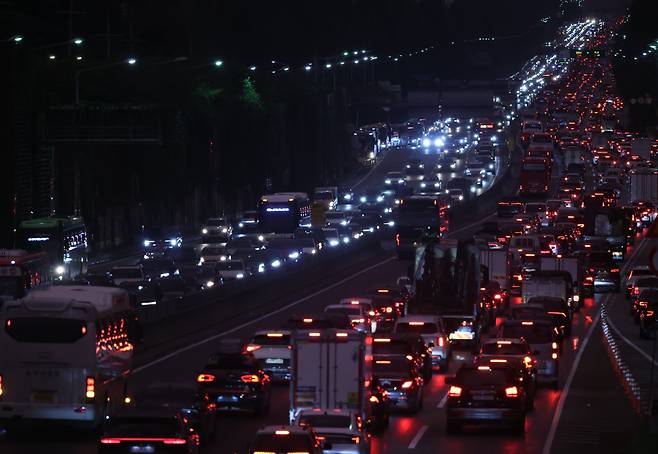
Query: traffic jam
(490, 345)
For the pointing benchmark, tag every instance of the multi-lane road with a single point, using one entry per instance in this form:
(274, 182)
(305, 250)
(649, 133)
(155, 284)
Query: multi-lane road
(178, 360)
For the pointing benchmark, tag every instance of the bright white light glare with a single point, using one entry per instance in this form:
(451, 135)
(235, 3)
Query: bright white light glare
(438, 142)
(218, 63)
(147, 243)
(210, 284)
(204, 231)
(132, 61)
(276, 263)
(426, 142)
(363, 199)
(239, 276)
(173, 242)
(59, 269)
(293, 255)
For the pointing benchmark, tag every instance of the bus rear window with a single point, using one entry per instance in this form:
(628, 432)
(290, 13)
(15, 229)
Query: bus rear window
(42, 330)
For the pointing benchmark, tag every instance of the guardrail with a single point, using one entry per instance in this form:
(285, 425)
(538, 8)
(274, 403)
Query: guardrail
(623, 372)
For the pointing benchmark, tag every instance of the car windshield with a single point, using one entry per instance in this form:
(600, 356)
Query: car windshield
(333, 421)
(535, 208)
(503, 348)
(383, 366)
(271, 339)
(390, 347)
(129, 273)
(229, 362)
(289, 443)
(416, 327)
(533, 333)
(471, 378)
(141, 427)
(347, 310)
(215, 222)
(231, 265)
(324, 195)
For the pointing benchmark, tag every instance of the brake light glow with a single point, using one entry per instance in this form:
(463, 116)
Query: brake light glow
(487, 368)
(416, 323)
(250, 378)
(356, 439)
(314, 334)
(382, 339)
(497, 296)
(205, 378)
(554, 345)
(274, 334)
(341, 334)
(354, 302)
(504, 342)
(554, 355)
(90, 390)
(282, 432)
(252, 347)
(648, 314)
(1, 388)
(512, 391)
(527, 361)
(440, 341)
(307, 320)
(407, 384)
(166, 441)
(382, 361)
(502, 361)
(455, 391)
(527, 323)
(374, 399)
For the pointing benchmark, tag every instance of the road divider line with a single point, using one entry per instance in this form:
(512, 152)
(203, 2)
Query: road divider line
(548, 445)
(258, 319)
(630, 343)
(442, 402)
(418, 436)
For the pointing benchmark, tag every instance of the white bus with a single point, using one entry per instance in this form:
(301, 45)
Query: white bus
(66, 354)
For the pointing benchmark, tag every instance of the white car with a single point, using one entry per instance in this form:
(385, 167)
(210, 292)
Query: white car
(122, 274)
(342, 431)
(394, 179)
(430, 328)
(272, 351)
(232, 269)
(332, 237)
(216, 229)
(211, 254)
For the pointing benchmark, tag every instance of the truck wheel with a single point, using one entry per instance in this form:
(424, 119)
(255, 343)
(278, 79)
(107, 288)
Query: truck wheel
(453, 428)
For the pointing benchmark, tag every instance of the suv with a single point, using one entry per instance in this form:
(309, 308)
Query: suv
(272, 351)
(275, 439)
(485, 394)
(235, 381)
(543, 339)
(430, 328)
(216, 230)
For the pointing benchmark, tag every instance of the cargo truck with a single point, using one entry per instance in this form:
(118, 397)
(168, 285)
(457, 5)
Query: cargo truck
(497, 264)
(332, 369)
(643, 186)
(570, 265)
(556, 284)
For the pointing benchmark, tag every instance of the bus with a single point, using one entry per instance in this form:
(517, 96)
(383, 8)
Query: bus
(283, 212)
(21, 271)
(419, 217)
(64, 240)
(535, 176)
(67, 353)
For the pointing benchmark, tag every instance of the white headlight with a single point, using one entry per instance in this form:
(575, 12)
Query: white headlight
(224, 230)
(387, 181)
(293, 255)
(461, 197)
(173, 242)
(210, 284)
(261, 238)
(438, 142)
(276, 263)
(147, 243)
(239, 276)
(59, 269)
(426, 142)
(363, 199)
(333, 243)
(204, 231)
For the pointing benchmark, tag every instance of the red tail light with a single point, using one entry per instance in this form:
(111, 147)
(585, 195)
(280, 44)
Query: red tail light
(636, 291)
(440, 341)
(205, 378)
(250, 378)
(455, 391)
(497, 296)
(648, 314)
(166, 441)
(2, 390)
(397, 239)
(252, 347)
(512, 391)
(527, 361)
(90, 389)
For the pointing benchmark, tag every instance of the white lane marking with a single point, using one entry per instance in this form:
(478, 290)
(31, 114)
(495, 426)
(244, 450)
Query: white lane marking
(479, 221)
(442, 402)
(565, 391)
(630, 343)
(418, 436)
(256, 320)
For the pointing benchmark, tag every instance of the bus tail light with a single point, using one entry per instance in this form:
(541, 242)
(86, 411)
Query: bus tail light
(90, 389)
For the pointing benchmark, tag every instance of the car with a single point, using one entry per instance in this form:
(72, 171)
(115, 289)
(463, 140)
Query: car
(509, 207)
(446, 164)
(197, 408)
(456, 195)
(481, 394)
(404, 345)
(394, 179)
(157, 241)
(230, 270)
(339, 431)
(128, 273)
(271, 348)
(337, 219)
(145, 293)
(538, 209)
(642, 285)
(637, 272)
(158, 267)
(543, 339)
(646, 308)
(212, 254)
(402, 380)
(430, 328)
(357, 314)
(207, 276)
(265, 260)
(172, 288)
(516, 353)
(135, 429)
(286, 439)
(541, 141)
(216, 230)
(235, 381)
(558, 309)
(415, 170)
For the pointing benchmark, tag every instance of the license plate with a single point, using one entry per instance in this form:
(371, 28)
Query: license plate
(483, 397)
(44, 397)
(142, 449)
(274, 361)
